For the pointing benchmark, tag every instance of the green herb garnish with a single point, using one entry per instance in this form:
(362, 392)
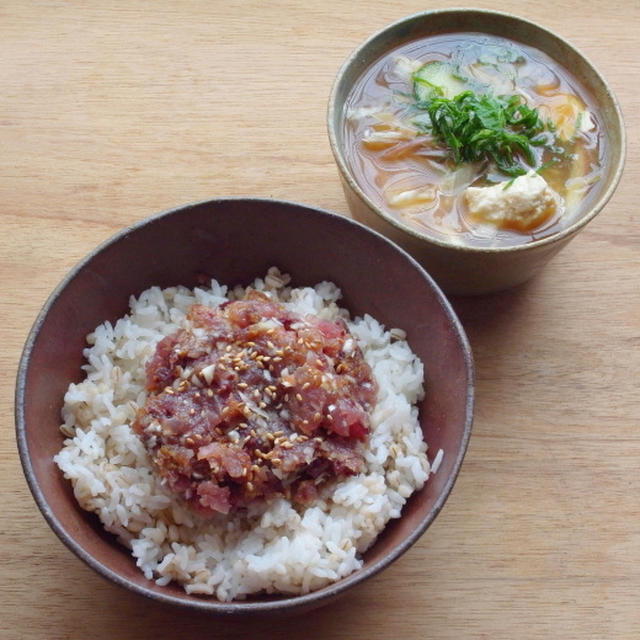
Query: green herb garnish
(479, 127)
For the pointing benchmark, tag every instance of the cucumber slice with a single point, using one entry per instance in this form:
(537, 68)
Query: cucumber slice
(437, 79)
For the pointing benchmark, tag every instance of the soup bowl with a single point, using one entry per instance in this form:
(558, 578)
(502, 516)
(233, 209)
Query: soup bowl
(460, 267)
(236, 240)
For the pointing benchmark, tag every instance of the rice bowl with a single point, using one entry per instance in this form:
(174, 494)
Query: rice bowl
(375, 277)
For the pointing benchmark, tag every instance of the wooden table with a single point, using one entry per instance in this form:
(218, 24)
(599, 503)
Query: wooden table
(110, 112)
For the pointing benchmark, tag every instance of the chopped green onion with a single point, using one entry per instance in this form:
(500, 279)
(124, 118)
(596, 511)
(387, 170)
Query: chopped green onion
(485, 127)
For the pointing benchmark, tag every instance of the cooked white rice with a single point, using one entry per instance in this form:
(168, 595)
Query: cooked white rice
(276, 547)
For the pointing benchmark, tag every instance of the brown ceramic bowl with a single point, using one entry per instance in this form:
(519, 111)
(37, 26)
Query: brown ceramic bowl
(235, 240)
(461, 269)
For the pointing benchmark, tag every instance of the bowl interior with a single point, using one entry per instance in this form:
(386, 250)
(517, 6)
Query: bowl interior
(234, 241)
(495, 23)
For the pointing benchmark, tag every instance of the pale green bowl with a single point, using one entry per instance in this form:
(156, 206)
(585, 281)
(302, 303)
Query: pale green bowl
(460, 269)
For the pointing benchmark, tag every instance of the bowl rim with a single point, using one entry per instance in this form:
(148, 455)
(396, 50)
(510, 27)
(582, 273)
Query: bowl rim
(357, 55)
(210, 604)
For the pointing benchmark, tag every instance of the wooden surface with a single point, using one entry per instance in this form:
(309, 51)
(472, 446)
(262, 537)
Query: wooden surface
(110, 112)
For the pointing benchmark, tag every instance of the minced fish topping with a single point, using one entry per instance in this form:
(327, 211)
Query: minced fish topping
(251, 401)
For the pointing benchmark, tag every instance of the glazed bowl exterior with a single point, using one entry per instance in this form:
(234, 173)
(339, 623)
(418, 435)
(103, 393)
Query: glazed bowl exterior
(236, 240)
(460, 269)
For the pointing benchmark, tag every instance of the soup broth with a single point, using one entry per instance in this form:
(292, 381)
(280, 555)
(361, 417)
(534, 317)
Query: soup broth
(412, 173)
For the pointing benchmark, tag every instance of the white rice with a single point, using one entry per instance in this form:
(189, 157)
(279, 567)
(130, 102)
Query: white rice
(276, 547)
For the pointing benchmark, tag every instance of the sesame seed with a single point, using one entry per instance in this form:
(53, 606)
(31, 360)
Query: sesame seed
(298, 397)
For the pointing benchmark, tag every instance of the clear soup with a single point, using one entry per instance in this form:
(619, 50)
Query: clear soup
(406, 170)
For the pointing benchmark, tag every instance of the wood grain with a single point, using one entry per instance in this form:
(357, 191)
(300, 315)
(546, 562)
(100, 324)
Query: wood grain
(112, 111)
